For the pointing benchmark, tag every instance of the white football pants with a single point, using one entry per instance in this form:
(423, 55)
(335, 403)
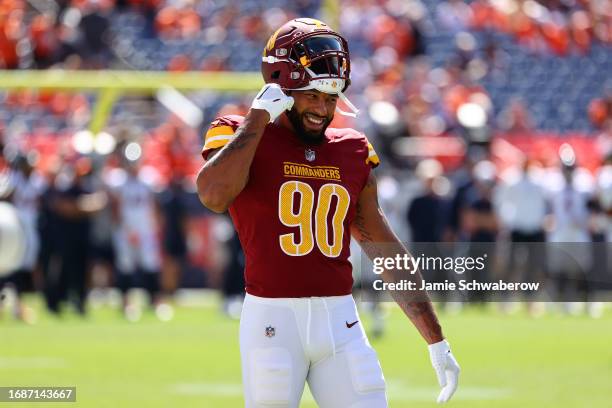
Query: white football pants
(285, 342)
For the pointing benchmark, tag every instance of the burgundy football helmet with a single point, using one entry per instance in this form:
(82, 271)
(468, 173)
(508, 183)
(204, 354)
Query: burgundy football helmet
(305, 53)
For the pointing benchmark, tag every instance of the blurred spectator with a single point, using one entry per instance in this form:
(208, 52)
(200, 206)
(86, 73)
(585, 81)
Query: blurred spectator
(102, 254)
(427, 217)
(478, 218)
(427, 212)
(496, 60)
(174, 222)
(179, 63)
(569, 209)
(233, 278)
(454, 15)
(26, 187)
(465, 193)
(45, 41)
(175, 23)
(94, 25)
(72, 205)
(570, 258)
(600, 112)
(11, 31)
(515, 118)
(3, 164)
(522, 208)
(557, 26)
(604, 195)
(480, 222)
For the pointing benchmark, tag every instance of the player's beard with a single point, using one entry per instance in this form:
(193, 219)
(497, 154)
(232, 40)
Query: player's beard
(305, 135)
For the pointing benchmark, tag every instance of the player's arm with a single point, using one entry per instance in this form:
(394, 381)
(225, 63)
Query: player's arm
(226, 173)
(371, 229)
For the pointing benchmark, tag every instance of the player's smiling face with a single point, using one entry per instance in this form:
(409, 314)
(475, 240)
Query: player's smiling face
(311, 114)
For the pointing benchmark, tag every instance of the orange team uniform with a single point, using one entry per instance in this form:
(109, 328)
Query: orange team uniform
(293, 215)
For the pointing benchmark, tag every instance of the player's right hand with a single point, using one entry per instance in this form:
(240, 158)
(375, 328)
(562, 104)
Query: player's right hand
(273, 100)
(447, 369)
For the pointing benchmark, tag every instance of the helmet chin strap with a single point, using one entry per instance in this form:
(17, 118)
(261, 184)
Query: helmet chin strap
(348, 103)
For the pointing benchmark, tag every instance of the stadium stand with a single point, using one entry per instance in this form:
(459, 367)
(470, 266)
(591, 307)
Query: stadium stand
(530, 49)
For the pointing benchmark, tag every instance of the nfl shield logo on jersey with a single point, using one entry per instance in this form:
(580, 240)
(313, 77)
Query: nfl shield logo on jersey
(270, 331)
(310, 155)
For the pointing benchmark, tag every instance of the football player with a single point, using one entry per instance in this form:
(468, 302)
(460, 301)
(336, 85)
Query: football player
(135, 238)
(27, 187)
(297, 191)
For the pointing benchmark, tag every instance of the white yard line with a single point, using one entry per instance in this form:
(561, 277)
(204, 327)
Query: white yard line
(32, 362)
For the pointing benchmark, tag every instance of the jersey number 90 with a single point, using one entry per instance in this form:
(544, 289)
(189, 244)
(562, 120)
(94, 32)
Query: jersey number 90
(302, 218)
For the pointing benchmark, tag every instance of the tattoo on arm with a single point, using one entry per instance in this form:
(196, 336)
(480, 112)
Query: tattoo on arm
(364, 236)
(422, 315)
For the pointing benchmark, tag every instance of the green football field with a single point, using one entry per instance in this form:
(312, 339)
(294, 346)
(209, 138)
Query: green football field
(192, 361)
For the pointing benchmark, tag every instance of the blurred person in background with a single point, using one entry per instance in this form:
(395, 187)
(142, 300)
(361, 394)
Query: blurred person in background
(94, 31)
(26, 188)
(3, 163)
(11, 31)
(136, 220)
(44, 38)
(481, 224)
(102, 256)
(71, 204)
(427, 217)
(571, 258)
(600, 112)
(604, 186)
(515, 118)
(233, 278)
(48, 227)
(427, 213)
(602, 234)
(597, 276)
(465, 192)
(522, 207)
(174, 227)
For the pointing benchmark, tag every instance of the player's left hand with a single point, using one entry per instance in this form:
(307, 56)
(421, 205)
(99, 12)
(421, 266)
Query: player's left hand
(447, 369)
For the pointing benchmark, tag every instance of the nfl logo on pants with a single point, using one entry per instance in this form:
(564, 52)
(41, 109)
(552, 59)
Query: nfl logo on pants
(270, 331)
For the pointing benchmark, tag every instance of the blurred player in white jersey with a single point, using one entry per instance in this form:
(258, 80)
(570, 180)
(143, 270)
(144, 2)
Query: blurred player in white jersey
(135, 238)
(26, 188)
(570, 259)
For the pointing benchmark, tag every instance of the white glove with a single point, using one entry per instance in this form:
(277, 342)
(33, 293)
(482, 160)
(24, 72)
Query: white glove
(273, 100)
(446, 368)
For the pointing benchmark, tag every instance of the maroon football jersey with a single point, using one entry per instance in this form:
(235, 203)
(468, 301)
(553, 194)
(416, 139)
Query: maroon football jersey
(294, 214)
